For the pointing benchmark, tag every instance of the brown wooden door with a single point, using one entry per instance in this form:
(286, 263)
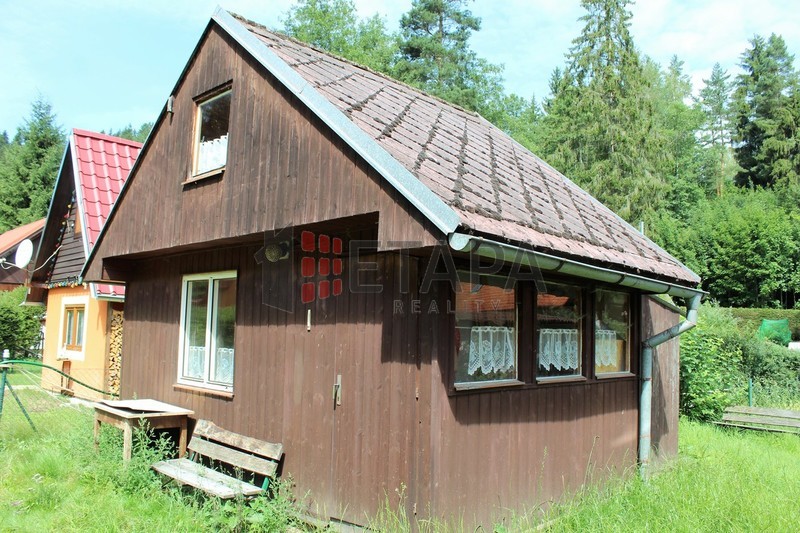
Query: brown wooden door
(375, 420)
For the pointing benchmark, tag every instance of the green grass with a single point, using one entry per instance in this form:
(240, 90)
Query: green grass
(724, 480)
(54, 480)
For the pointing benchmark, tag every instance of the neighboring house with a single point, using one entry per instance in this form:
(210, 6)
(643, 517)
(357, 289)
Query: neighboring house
(288, 238)
(12, 277)
(83, 321)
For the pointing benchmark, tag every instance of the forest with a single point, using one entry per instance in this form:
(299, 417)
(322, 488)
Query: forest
(710, 173)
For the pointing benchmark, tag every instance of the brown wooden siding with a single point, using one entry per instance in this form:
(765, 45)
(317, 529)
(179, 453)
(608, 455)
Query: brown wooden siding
(666, 378)
(473, 456)
(502, 451)
(284, 168)
(71, 256)
(349, 458)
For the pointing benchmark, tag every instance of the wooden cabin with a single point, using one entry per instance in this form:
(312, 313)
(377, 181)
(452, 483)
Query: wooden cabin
(83, 323)
(421, 310)
(11, 276)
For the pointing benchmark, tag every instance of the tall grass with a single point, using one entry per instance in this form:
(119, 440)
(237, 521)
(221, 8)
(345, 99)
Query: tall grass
(54, 480)
(723, 481)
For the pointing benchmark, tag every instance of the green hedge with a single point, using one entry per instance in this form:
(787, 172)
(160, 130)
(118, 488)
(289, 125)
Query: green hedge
(750, 319)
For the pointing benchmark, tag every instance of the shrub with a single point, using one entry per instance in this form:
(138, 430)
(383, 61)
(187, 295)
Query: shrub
(750, 319)
(709, 373)
(719, 355)
(19, 326)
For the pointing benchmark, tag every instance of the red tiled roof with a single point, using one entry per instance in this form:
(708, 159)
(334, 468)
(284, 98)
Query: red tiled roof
(13, 237)
(102, 165)
(496, 186)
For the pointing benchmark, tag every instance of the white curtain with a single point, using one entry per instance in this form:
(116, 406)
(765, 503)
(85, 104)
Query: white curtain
(605, 349)
(223, 366)
(212, 154)
(197, 362)
(491, 349)
(559, 348)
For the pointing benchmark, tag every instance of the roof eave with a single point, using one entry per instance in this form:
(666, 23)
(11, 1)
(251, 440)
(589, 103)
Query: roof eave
(77, 175)
(541, 261)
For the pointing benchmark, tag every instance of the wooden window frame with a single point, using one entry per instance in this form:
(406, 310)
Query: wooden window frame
(527, 332)
(496, 383)
(73, 351)
(199, 102)
(74, 330)
(205, 383)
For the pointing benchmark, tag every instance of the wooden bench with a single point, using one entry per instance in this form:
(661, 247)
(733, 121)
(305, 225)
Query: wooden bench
(218, 447)
(761, 418)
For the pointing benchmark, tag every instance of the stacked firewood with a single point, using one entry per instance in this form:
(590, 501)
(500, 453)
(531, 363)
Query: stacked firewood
(115, 351)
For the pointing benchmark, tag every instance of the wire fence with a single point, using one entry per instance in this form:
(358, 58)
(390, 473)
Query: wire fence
(32, 398)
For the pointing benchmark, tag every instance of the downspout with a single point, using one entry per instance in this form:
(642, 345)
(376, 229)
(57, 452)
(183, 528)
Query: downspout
(646, 394)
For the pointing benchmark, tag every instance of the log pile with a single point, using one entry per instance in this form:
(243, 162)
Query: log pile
(115, 351)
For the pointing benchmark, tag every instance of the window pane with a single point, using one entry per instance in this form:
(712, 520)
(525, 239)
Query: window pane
(559, 313)
(68, 328)
(212, 149)
(79, 327)
(194, 362)
(224, 323)
(486, 336)
(611, 332)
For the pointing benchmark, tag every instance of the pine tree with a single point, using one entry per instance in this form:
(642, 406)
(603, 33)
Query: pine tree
(600, 126)
(767, 116)
(436, 57)
(716, 134)
(28, 168)
(677, 123)
(134, 134)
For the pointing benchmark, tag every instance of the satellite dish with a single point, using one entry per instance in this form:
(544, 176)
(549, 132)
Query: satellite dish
(24, 254)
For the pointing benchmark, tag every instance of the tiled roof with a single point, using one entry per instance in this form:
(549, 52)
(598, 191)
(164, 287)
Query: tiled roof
(13, 237)
(102, 164)
(496, 186)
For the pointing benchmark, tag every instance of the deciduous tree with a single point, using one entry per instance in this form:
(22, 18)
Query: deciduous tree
(334, 26)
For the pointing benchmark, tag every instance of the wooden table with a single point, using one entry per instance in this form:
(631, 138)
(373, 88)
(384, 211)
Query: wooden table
(129, 414)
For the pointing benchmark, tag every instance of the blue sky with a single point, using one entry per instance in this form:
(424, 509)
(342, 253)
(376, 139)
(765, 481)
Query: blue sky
(103, 64)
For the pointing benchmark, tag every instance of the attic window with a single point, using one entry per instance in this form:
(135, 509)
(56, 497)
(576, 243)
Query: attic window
(211, 133)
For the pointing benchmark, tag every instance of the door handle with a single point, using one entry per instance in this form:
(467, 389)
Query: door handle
(337, 391)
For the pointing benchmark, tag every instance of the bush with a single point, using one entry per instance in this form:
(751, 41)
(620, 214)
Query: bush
(719, 355)
(709, 373)
(19, 325)
(750, 319)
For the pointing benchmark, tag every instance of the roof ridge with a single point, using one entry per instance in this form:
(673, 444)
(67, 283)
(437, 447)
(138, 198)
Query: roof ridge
(105, 137)
(349, 62)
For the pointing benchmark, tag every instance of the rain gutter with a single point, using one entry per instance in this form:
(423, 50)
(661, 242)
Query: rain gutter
(646, 392)
(514, 254)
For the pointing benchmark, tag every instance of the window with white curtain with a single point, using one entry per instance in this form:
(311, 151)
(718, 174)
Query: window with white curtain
(559, 315)
(211, 133)
(612, 328)
(208, 320)
(486, 335)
